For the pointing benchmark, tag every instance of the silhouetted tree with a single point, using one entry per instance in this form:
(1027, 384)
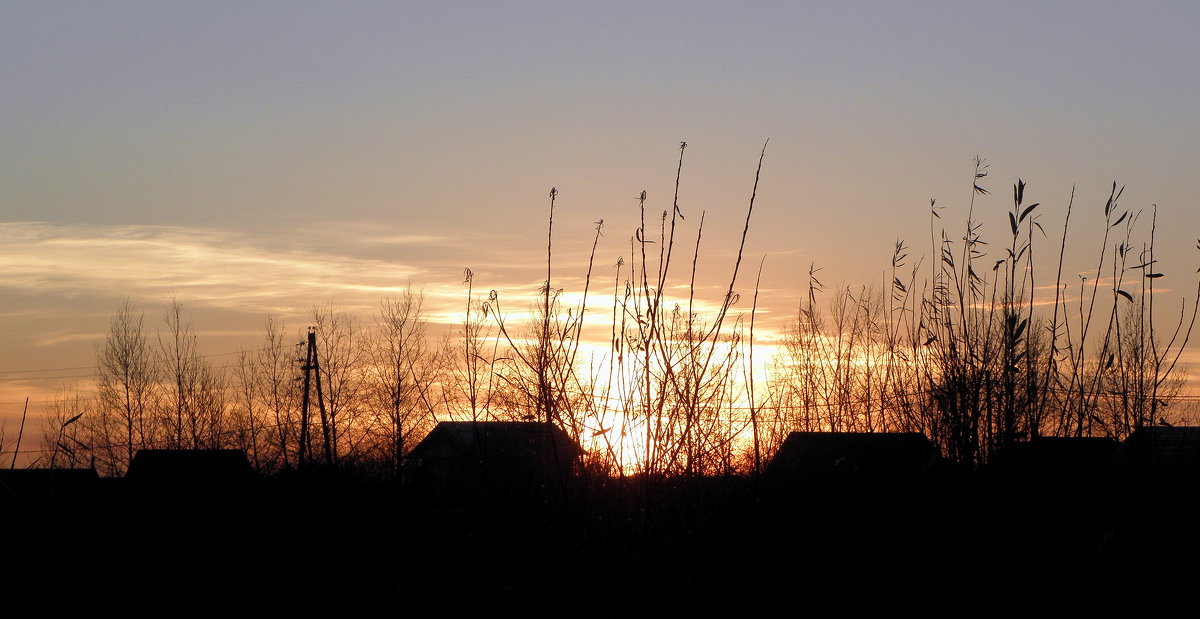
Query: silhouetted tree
(400, 376)
(340, 343)
(193, 406)
(126, 386)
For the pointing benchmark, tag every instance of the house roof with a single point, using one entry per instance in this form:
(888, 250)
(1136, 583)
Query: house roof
(833, 452)
(495, 439)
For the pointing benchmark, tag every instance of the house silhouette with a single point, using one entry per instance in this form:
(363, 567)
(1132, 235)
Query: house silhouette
(464, 462)
(830, 460)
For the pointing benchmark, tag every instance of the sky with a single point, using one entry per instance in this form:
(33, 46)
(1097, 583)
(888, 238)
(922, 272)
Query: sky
(254, 159)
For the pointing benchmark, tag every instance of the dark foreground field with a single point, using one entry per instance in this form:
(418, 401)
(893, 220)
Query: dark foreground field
(955, 543)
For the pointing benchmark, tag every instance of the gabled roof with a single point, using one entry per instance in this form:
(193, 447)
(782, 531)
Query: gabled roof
(830, 453)
(495, 440)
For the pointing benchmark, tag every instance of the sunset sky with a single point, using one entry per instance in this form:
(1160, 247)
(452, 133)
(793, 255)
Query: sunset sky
(256, 158)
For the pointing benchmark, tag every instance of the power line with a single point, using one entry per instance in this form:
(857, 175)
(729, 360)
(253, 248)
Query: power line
(82, 367)
(825, 403)
(18, 379)
(97, 367)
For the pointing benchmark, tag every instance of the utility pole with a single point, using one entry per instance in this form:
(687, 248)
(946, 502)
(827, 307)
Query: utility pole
(312, 364)
(316, 366)
(306, 367)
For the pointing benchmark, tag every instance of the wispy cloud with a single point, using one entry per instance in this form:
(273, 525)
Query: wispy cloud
(287, 272)
(216, 267)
